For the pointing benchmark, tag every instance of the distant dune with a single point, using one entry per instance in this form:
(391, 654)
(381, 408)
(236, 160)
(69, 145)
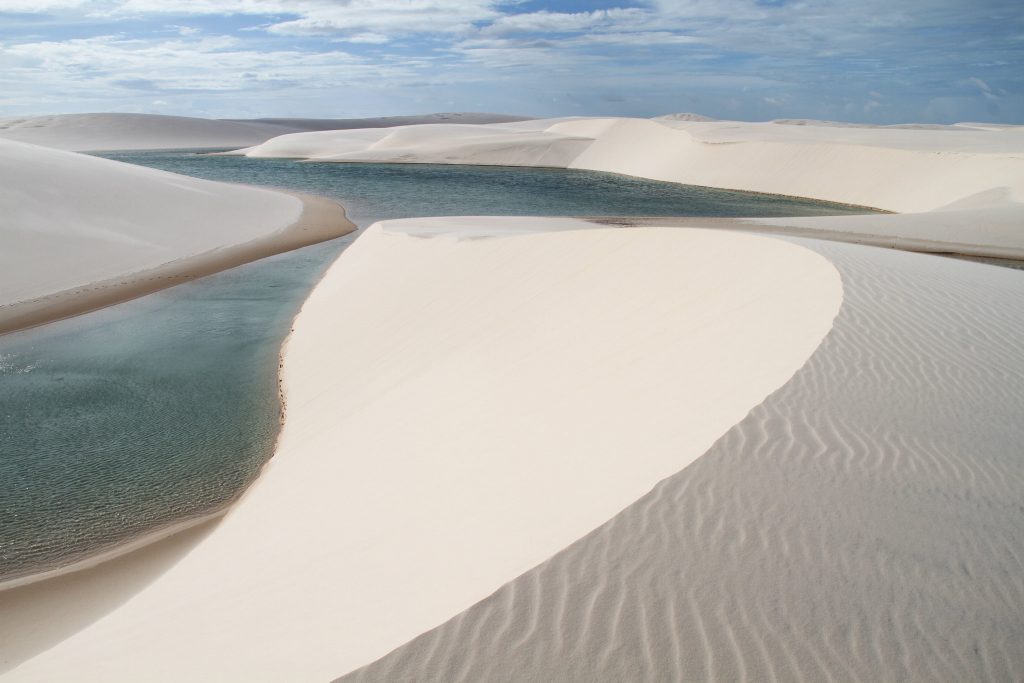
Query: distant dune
(104, 132)
(385, 121)
(112, 131)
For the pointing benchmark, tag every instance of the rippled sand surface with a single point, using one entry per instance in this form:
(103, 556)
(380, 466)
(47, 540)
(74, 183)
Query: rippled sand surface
(863, 523)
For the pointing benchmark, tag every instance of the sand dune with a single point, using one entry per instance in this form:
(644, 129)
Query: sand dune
(118, 131)
(442, 439)
(907, 171)
(386, 121)
(81, 232)
(97, 132)
(862, 524)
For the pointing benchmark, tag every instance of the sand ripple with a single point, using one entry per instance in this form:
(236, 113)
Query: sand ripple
(863, 523)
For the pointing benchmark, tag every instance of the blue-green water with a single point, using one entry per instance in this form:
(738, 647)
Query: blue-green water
(118, 422)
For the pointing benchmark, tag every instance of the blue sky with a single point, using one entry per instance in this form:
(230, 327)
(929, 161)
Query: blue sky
(876, 61)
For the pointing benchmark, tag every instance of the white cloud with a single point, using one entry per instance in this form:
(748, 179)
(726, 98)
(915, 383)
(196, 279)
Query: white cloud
(390, 17)
(697, 54)
(368, 38)
(563, 22)
(113, 64)
(185, 30)
(982, 85)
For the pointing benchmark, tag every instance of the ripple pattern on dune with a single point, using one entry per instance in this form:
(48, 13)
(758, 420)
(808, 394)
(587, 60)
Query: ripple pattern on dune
(863, 523)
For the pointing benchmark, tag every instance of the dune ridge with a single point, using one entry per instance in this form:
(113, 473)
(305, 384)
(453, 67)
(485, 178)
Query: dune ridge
(860, 524)
(120, 131)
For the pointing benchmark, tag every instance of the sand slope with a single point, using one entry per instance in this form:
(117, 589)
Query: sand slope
(96, 132)
(467, 117)
(444, 435)
(862, 524)
(430, 144)
(77, 228)
(118, 131)
(897, 172)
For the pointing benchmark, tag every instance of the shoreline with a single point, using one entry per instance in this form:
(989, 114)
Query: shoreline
(131, 546)
(321, 220)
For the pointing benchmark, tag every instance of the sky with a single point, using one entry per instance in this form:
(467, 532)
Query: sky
(870, 61)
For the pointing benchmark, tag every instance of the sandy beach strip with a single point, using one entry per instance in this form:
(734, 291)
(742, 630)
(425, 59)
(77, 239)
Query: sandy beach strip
(443, 439)
(84, 232)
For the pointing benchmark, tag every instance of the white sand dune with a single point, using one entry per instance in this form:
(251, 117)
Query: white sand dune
(862, 524)
(118, 131)
(430, 144)
(78, 228)
(973, 174)
(492, 401)
(106, 132)
(466, 117)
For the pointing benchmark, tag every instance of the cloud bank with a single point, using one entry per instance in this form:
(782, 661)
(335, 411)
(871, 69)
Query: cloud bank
(870, 61)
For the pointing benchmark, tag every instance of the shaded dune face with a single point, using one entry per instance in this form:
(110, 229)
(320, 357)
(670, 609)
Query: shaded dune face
(863, 523)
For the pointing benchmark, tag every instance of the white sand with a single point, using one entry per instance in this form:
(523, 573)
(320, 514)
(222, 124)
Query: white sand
(902, 170)
(91, 219)
(72, 221)
(117, 131)
(98, 132)
(430, 144)
(861, 524)
(484, 403)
